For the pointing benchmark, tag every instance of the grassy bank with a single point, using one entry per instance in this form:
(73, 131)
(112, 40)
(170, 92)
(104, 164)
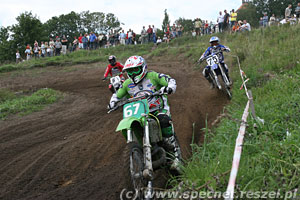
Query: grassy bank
(26, 104)
(271, 152)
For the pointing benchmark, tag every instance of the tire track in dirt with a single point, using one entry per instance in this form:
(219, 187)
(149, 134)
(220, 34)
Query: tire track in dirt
(70, 150)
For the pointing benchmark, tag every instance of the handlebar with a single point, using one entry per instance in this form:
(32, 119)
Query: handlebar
(145, 96)
(206, 57)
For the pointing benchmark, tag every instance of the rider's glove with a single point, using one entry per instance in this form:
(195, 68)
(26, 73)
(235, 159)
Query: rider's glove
(111, 105)
(166, 90)
(200, 60)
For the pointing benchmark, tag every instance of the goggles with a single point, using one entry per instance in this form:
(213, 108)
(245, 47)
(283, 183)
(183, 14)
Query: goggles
(132, 71)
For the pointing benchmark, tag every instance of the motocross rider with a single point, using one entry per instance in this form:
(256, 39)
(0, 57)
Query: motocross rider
(215, 47)
(113, 69)
(142, 81)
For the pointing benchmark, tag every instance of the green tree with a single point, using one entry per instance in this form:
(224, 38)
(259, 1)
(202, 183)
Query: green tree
(187, 24)
(249, 13)
(270, 7)
(7, 51)
(111, 22)
(92, 21)
(28, 29)
(166, 21)
(68, 25)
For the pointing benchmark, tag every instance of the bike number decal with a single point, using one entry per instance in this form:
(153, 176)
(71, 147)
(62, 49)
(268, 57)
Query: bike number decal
(135, 109)
(212, 60)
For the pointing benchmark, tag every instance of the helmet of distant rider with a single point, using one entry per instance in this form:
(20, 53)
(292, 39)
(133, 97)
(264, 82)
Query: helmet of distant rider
(112, 60)
(214, 39)
(136, 68)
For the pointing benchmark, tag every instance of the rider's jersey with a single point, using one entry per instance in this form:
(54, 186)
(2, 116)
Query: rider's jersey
(114, 70)
(151, 83)
(210, 50)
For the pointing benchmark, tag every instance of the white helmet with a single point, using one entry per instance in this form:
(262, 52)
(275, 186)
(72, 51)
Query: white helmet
(136, 68)
(214, 39)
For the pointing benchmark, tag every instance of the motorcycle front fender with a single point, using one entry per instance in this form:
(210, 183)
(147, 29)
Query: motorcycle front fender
(131, 123)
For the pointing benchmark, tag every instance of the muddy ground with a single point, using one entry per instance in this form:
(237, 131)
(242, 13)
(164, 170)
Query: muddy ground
(70, 150)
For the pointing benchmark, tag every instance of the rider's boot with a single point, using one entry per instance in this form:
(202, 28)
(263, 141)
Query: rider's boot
(175, 152)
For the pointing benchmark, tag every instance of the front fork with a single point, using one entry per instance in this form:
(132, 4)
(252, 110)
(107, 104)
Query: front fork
(216, 78)
(148, 169)
(225, 78)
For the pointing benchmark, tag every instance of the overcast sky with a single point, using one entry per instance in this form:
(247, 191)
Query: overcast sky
(133, 13)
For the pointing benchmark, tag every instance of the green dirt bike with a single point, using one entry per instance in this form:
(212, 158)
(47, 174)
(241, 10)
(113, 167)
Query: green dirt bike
(144, 152)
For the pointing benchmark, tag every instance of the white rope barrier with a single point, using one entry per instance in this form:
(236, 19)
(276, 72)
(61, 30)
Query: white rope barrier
(237, 155)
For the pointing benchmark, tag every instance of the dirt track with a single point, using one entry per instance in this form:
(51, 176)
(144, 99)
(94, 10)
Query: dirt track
(70, 150)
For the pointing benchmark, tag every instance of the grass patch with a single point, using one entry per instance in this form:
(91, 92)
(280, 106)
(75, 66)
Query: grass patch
(23, 105)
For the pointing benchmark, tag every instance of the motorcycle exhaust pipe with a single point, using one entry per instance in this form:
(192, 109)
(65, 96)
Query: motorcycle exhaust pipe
(162, 158)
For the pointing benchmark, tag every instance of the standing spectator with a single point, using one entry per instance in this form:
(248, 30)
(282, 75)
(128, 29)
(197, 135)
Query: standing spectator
(265, 20)
(80, 41)
(85, 40)
(179, 29)
(47, 49)
(116, 36)
(143, 35)
(173, 31)
(149, 31)
(297, 11)
(288, 12)
(36, 50)
(130, 35)
(154, 30)
(197, 26)
(100, 39)
(28, 52)
(226, 20)
(75, 43)
(272, 20)
(51, 44)
(122, 37)
(18, 57)
(111, 38)
(220, 21)
(88, 43)
(233, 18)
(261, 23)
(43, 49)
(206, 30)
(64, 43)
(58, 47)
(92, 40)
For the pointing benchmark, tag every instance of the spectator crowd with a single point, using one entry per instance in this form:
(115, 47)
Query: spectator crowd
(226, 22)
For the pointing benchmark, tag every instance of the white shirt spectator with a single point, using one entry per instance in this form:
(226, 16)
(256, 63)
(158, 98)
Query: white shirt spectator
(154, 29)
(221, 19)
(159, 41)
(246, 27)
(130, 34)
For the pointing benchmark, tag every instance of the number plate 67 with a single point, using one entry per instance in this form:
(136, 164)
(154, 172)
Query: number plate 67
(135, 109)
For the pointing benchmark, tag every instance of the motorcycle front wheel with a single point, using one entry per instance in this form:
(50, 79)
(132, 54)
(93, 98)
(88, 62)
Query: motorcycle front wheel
(134, 166)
